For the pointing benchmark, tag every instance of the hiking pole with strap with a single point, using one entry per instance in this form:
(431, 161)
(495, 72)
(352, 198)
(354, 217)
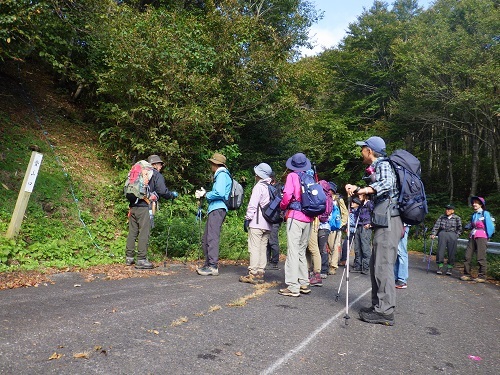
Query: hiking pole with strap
(346, 316)
(199, 217)
(429, 257)
(348, 249)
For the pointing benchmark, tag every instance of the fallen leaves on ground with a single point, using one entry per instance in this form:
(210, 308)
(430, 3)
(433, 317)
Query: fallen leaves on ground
(55, 356)
(85, 355)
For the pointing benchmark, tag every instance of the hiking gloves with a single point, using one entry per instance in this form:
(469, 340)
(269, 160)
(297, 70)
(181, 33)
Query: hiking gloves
(245, 225)
(200, 193)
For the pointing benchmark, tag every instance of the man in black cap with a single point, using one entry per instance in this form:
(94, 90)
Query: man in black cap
(388, 229)
(448, 228)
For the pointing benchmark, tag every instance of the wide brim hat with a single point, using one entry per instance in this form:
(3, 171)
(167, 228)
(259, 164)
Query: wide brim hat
(263, 170)
(298, 163)
(218, 159)
(480, 199)
(153, 159)
(377, 144)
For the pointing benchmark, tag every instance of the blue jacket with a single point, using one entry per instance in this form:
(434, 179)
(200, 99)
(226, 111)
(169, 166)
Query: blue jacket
(221, 190)
(481, 221)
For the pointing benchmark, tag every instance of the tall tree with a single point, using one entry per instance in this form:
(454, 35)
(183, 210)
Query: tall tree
(452, 66)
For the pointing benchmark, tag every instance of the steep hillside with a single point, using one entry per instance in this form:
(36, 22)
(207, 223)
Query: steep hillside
(72, 218)
(33, 110)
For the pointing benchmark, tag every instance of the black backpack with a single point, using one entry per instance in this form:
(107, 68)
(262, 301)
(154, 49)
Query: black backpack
(272, 211)
(412, 202)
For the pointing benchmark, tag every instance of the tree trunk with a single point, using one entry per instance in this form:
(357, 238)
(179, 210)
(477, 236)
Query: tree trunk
(450, 166)
(476, 139)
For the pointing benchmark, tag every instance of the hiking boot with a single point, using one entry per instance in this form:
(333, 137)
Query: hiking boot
(252, 279)
(129, 261)
(332, 271)
(367, 309)
(287, 292)
(466, 278)
(144, 264)
(440, 270)
(342, 263)
(400, 284)
(272, 266)
(324, 275)
(304, 289)
(208, 271)
(377, 318)
(315, 280)
(448, 271)
(480, 279)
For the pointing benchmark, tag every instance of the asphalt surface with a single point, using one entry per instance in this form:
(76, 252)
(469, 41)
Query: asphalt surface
(181, 323)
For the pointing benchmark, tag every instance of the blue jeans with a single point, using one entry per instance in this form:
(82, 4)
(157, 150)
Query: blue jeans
(401, 265)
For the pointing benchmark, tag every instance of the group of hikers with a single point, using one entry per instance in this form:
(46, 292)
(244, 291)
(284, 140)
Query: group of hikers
(371, 222)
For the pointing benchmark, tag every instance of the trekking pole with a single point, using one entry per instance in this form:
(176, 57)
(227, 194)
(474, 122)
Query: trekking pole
(316, 178)
(348, 249)
(197, 220)
(430, 254)
(425, 245)
(346, 316)
(168, 235)
(199, 217)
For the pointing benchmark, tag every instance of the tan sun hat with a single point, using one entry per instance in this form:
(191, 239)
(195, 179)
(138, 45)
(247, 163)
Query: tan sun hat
(218, 159)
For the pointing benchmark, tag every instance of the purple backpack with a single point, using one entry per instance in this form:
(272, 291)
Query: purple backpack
(329, 202)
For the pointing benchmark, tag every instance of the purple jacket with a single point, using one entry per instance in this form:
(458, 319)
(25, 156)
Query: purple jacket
(365, 213)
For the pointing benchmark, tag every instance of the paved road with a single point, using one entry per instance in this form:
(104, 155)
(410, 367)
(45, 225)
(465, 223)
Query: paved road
(125, 327)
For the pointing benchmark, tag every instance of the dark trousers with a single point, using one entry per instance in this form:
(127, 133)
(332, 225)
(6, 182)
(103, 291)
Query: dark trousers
(139, 228)
(479, 246)
(322, 242)
(211, 237)
(273, 245)
(447, 240)
(362, 248)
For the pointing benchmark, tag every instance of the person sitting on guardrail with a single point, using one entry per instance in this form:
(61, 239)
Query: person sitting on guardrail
(482, 229)
(448, 228)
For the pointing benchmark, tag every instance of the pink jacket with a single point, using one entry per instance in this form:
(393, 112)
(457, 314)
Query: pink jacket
(260, 196)
(292, 192)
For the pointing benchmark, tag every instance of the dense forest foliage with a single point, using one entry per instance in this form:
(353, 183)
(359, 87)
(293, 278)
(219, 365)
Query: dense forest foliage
(183, 78)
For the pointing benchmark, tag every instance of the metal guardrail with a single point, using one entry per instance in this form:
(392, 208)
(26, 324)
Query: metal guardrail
(493, 247)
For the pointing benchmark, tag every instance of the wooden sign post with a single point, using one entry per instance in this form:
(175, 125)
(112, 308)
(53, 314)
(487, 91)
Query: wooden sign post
(24, 194)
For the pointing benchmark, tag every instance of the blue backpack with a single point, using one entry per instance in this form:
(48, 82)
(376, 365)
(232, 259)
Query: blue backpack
(335, 220)
(313, 197)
